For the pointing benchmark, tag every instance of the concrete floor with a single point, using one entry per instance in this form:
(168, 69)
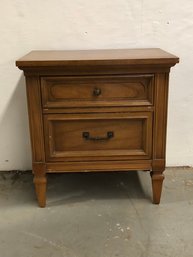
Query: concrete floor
(97, 215)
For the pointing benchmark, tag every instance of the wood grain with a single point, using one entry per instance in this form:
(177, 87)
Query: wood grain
(40, 182)
(90, 57)
(98, 166)
(113, 91)
(132, 136)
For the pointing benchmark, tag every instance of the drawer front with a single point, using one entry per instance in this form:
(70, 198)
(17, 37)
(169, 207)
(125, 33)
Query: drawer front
(98, 136)
(91, 91)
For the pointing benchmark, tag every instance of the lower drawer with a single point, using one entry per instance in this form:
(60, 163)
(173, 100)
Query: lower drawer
(112, 136)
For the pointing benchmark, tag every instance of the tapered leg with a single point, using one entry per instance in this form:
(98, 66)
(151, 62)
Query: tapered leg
(157, 181)
(40, 182)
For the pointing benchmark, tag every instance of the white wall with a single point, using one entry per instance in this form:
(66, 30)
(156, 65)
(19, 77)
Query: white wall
(27, 25)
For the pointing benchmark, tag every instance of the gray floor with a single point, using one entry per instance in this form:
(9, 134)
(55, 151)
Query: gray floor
(97, 215)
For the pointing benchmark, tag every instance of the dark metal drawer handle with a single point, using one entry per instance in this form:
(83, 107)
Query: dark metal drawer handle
(86, 135)
(97, 91)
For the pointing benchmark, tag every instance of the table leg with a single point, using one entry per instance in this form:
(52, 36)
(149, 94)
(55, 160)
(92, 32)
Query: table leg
(157, 181)
(40, 182)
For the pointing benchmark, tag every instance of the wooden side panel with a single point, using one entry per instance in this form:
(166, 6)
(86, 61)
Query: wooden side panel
(160, 121)
(35, 118)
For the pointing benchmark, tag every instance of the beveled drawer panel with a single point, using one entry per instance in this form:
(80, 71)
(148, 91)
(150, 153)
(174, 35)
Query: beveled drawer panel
(98, 136)
(92, 91)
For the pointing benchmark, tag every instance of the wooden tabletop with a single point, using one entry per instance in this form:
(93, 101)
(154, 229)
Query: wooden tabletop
(89, 57)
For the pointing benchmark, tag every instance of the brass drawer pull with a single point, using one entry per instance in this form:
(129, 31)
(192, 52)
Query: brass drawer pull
(97, 91)
(86, 135)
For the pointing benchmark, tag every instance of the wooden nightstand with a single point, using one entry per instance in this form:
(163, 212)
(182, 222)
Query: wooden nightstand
(100, 110)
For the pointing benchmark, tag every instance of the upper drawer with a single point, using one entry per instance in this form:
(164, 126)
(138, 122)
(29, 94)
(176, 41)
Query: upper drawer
(92, 91)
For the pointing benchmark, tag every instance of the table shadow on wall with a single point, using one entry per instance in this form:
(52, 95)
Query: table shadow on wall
(14, 136)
